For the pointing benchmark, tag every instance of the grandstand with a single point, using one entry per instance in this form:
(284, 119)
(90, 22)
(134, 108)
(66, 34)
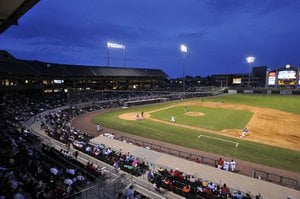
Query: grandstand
(16, 73)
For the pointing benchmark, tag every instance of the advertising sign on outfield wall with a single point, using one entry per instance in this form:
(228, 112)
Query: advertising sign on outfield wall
(232, 91)
(248, 91)
(271, 79)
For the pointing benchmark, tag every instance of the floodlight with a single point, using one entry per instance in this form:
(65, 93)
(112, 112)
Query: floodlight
(250, 59)
(115, 45)
(183, 48)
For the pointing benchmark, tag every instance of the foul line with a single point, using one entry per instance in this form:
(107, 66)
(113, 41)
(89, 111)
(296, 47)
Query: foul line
(236, 143)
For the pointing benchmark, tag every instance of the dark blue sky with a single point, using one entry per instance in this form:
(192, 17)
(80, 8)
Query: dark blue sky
(219, 34)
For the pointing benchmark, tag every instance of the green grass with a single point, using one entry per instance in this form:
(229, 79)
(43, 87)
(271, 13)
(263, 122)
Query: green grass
(214, 118)
(249, 151)
(289, 103)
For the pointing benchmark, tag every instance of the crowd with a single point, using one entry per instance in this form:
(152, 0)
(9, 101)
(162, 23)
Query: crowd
(26, 168)
(24, 172)
(226, 165)
(190, 186)
(57, 126)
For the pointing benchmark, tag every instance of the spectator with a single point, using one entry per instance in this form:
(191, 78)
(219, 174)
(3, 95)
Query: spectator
(150, 176)
(130, 192)
(158, 183)
(237, 195)
(186, 190)
(98, 128)
(220, 163)
(76, 154)
(226, 165)
(224, 190)
(232, 165)
(116, 167)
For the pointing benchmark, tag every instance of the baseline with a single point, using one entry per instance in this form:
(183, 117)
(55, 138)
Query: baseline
(224, 140)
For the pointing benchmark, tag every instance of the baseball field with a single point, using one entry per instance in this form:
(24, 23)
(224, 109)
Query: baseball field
(216, 125)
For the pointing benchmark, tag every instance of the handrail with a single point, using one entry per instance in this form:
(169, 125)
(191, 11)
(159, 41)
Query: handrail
(168, 150)
(277, 179)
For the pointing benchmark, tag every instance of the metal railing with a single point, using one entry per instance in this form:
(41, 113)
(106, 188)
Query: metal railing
(171, 151)
(104, 190)
(270, 177)
(276, 179)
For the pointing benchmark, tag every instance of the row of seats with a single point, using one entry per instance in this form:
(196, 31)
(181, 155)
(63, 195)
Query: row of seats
(191, 186)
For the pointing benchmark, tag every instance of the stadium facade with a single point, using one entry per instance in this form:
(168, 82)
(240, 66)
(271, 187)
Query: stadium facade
(17, 74)
(257, 78)
(261, 77)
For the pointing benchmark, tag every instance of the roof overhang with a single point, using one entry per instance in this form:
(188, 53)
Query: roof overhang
(12, 10)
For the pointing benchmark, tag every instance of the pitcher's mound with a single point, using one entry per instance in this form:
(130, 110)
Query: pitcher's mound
(194, 114)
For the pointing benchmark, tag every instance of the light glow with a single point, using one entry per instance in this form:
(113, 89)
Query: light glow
(250, 59)
(183, 48)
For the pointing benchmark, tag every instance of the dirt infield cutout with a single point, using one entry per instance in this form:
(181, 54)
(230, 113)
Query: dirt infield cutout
(194, 114)
(268, 126)
(134, 116)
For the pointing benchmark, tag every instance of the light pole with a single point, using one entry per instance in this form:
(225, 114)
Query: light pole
(115, 45)
(107, 47)
(250, 60)
(183, 49)
(124, 56)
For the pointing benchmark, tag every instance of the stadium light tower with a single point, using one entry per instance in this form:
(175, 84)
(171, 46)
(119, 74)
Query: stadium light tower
(250, 60)
(115, 45)
(183, 49)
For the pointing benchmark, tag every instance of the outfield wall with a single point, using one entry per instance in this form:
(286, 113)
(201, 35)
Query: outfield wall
(263, 91)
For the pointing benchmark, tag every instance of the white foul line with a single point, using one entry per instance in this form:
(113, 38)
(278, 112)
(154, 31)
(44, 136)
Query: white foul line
(236, 143)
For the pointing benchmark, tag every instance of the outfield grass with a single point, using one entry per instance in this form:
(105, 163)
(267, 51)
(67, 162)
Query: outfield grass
(289, 103)
(214, 118)
(249, 151)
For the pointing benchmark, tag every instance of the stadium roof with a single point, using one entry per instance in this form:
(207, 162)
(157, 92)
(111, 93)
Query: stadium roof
(12, 10)
(12, 66)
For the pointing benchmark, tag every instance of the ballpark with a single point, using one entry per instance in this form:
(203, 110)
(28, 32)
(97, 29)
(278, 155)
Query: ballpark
(149, 100)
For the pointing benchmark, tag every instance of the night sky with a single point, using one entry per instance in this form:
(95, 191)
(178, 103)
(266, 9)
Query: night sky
(219, 34)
